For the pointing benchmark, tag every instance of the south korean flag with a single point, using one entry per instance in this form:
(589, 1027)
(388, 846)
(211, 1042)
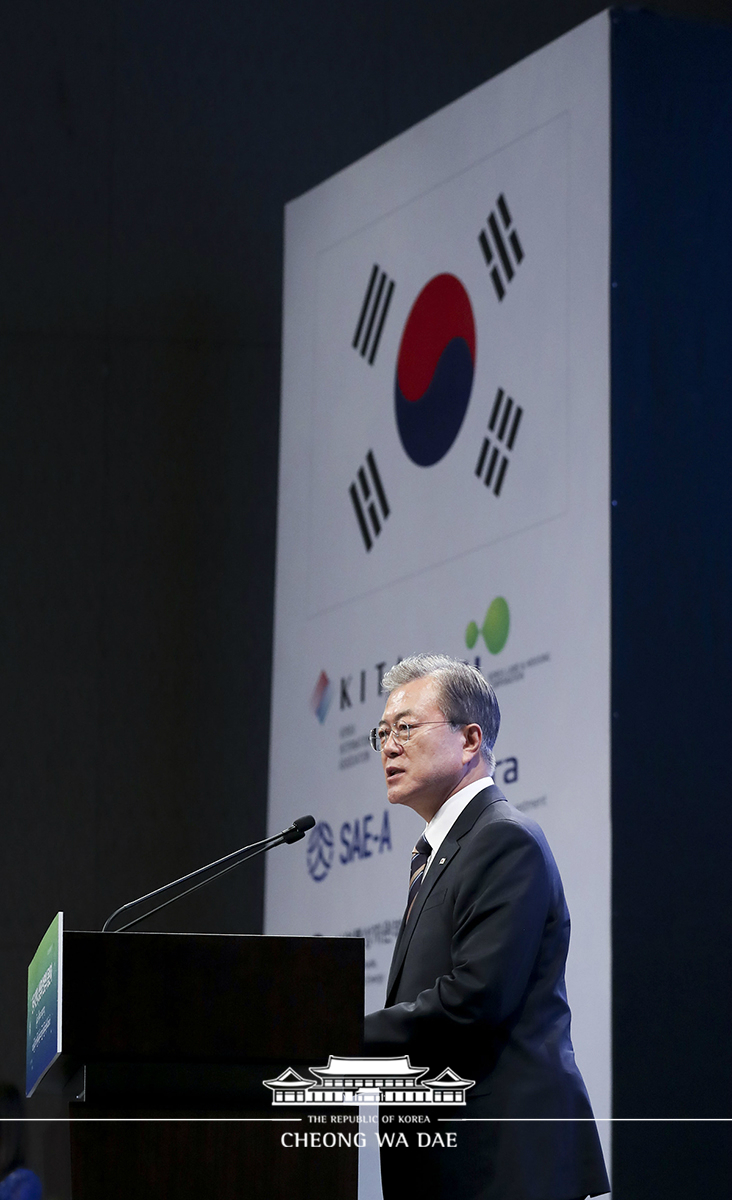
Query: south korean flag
(441, 349)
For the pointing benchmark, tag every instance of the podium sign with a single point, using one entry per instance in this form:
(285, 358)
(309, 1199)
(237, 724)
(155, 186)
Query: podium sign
(184, 1029)
(43, 1027)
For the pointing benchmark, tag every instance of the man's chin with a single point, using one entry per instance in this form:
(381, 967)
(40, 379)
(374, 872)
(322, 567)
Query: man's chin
(395, 794)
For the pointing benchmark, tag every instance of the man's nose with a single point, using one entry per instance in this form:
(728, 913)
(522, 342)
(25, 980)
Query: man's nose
(392, 745)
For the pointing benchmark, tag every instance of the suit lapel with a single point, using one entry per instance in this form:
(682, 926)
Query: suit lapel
(446, 851)
(407, 928)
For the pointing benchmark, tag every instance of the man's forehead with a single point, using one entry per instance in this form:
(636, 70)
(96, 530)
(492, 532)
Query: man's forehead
(410, 699)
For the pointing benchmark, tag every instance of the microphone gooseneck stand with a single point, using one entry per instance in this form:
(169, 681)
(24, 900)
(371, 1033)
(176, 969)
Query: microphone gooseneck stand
(293, 833)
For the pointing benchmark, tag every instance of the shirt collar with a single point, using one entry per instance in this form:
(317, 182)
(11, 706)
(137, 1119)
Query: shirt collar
(446, 816)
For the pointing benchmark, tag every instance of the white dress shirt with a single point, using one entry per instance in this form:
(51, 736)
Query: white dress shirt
(444, 819)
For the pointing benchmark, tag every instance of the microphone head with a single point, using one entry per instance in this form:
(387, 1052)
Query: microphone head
(304, 823)
(297, 830)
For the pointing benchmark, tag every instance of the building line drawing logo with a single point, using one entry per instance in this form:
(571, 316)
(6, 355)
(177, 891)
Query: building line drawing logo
(503, 424)
(373, 313)
(502, 246)
(383, 1081)
(320, 851)
(369, 499)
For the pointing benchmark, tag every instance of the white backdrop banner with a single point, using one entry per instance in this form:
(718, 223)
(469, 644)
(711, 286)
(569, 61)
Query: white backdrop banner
(444, 475)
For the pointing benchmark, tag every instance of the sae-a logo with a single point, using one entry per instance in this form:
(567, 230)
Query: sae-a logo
(439, 406)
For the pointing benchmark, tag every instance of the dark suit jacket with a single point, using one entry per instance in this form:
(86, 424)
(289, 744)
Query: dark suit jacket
(477, 984)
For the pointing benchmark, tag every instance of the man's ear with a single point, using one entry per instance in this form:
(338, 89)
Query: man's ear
(473, 737)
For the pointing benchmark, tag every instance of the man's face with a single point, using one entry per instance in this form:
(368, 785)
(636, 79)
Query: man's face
(424, 771)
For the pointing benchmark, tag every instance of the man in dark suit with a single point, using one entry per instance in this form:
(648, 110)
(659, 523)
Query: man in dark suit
(477, 977)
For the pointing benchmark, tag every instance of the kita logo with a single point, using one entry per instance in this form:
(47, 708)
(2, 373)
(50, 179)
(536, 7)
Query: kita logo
(321, 697)
(495, 627)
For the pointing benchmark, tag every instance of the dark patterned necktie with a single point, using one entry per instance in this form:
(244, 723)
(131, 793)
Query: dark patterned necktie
(420, 855)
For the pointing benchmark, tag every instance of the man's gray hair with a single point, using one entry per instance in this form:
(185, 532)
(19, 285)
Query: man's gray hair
(464, 697)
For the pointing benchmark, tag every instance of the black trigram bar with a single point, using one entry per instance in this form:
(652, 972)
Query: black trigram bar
(501, 248)
(373, 314)
(369, 500)
(503, 426)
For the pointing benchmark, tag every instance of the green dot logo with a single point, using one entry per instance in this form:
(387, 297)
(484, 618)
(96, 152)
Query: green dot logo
(494, 628)
(471, 635)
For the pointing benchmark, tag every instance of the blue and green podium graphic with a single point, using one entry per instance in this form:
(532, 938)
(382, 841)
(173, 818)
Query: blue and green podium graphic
(43, 1028)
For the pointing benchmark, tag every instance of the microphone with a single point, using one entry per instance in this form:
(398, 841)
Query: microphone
(297, 830)
(293, 833)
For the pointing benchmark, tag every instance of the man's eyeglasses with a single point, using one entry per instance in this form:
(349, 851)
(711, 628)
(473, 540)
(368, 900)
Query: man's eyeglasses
(401, 731)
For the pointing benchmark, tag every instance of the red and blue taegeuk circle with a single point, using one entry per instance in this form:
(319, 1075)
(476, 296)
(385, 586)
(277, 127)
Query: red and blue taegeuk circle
(435, 367)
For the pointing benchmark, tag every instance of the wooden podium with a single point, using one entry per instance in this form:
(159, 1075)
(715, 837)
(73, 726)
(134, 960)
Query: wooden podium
(166, 1039)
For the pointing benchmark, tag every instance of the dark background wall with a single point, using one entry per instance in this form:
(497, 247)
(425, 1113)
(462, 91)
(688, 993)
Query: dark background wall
(671, 306)
(146, 154)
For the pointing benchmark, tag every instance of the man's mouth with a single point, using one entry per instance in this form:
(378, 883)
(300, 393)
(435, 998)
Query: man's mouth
(392, 771)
